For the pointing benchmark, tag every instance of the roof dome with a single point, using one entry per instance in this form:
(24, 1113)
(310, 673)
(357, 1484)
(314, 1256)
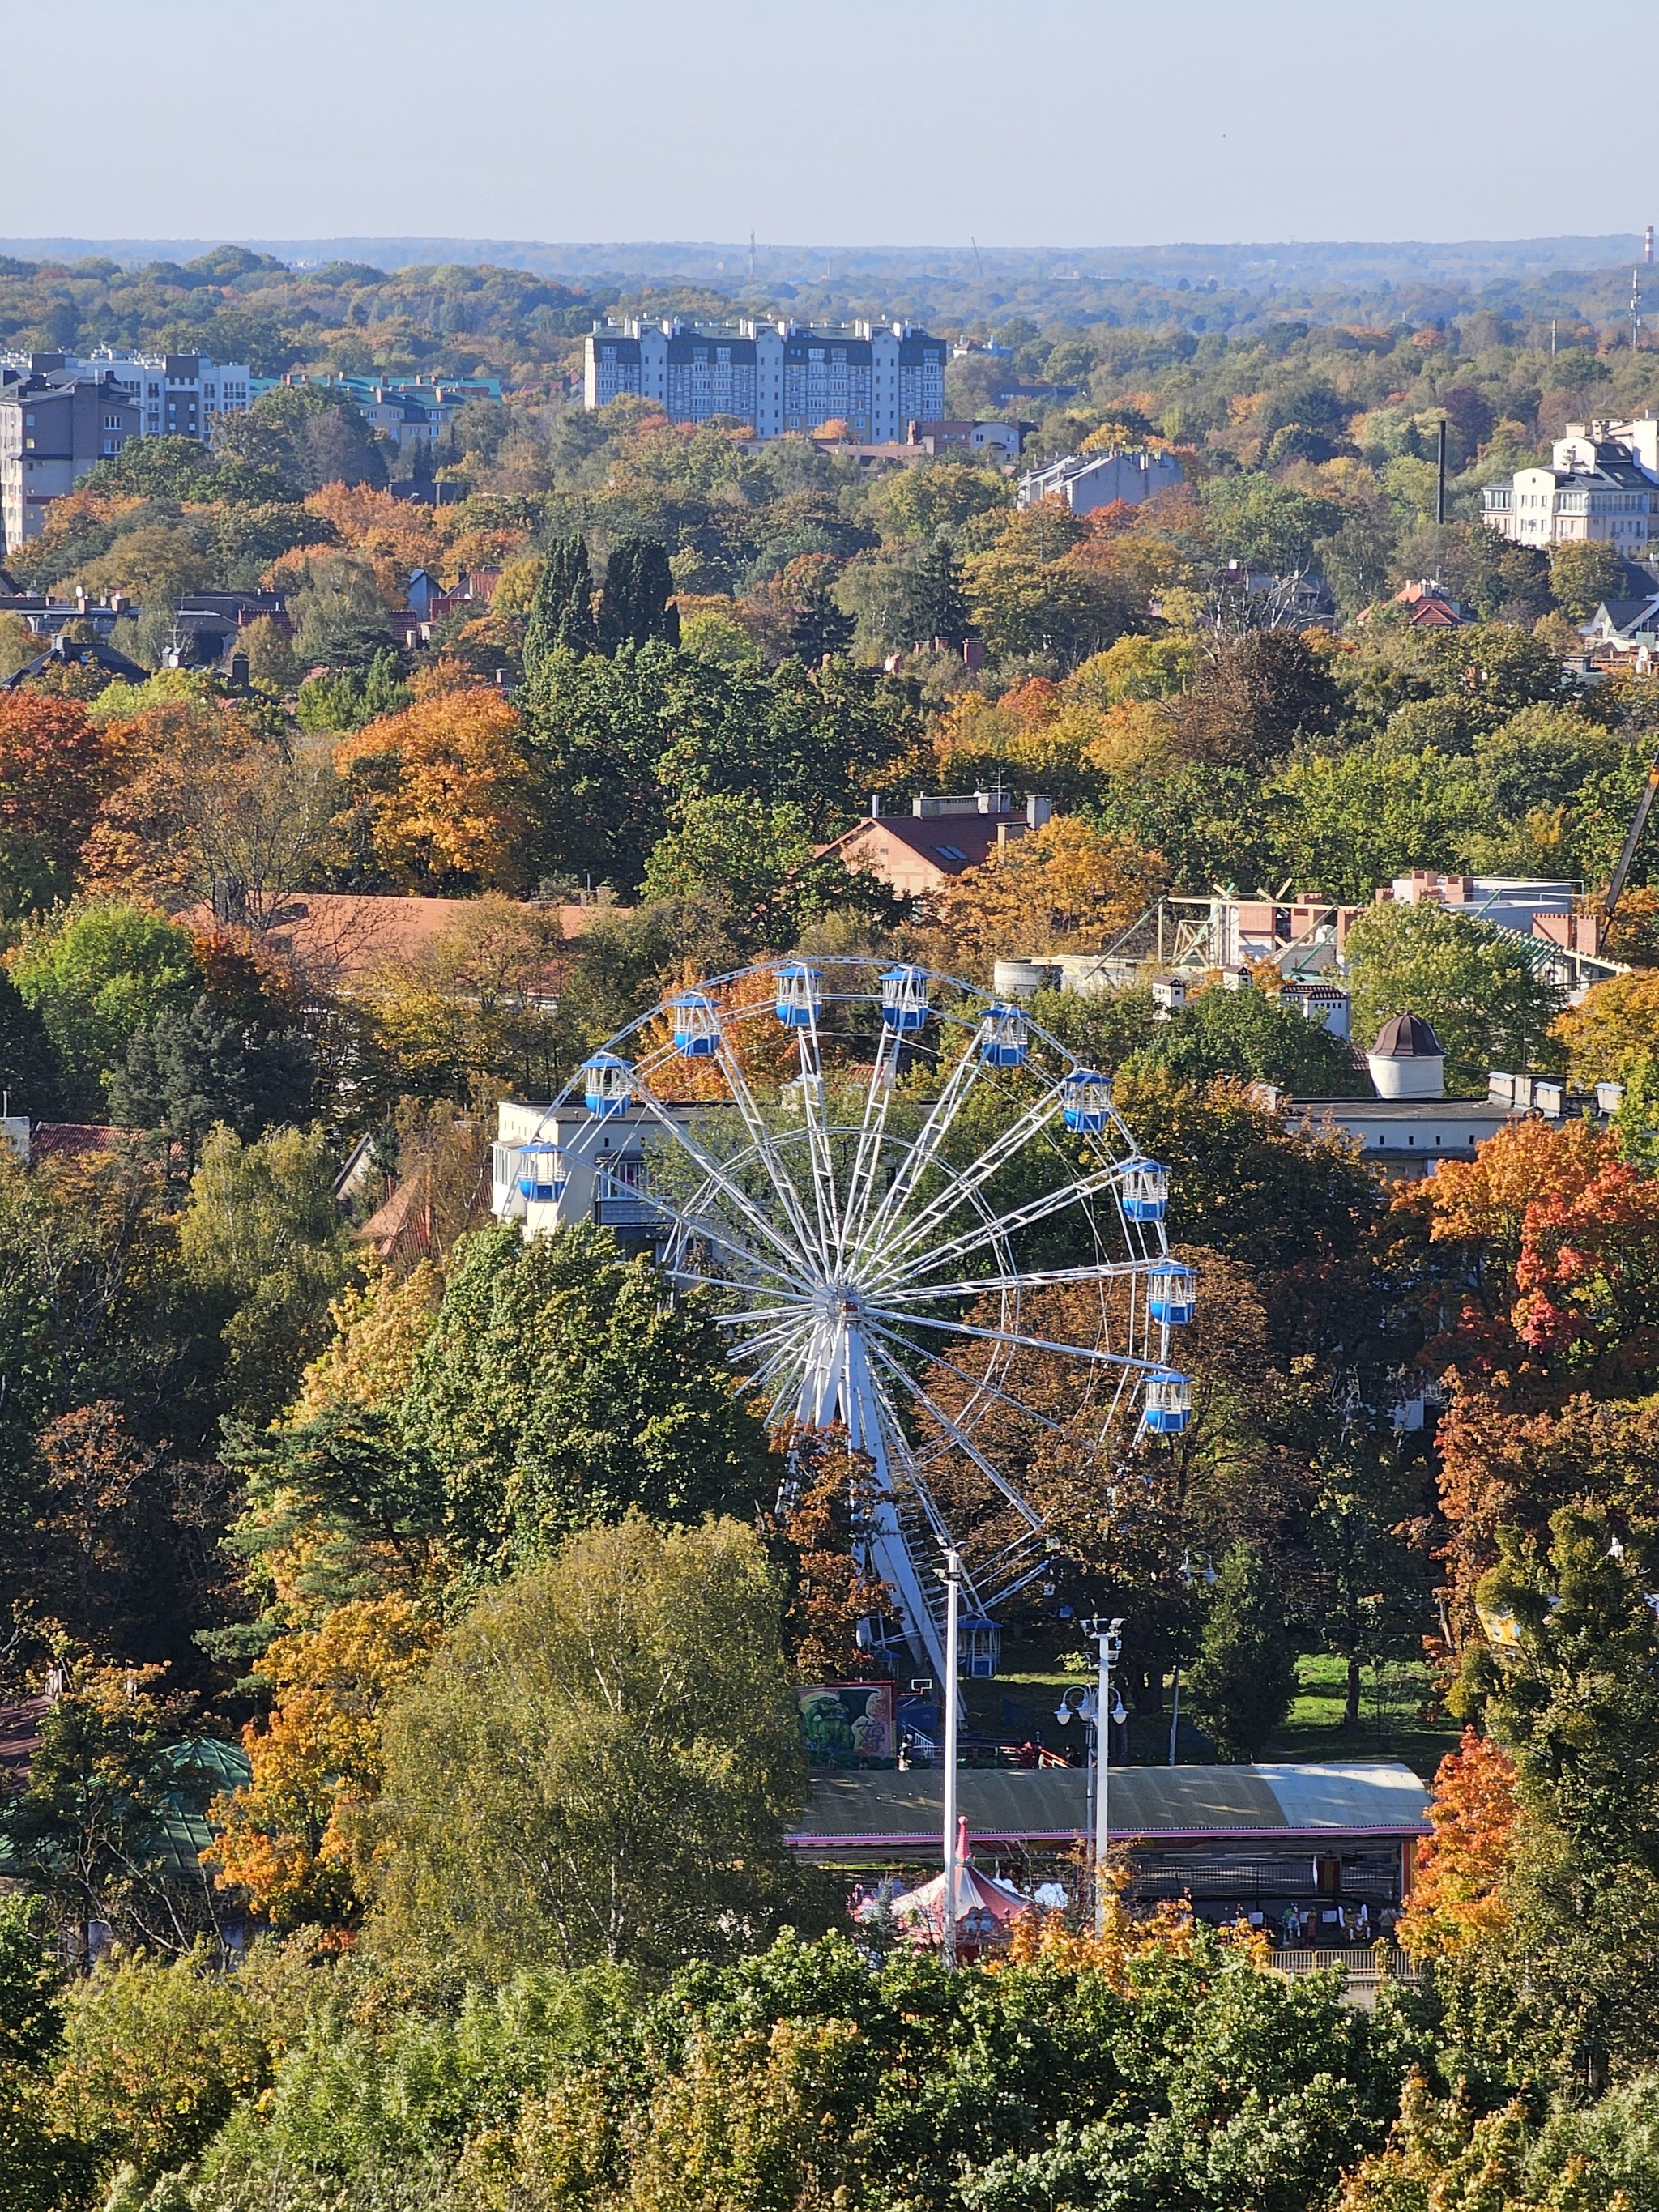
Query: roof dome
(1408, 1036)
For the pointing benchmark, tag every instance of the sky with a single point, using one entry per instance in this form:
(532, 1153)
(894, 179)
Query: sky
(867, 122)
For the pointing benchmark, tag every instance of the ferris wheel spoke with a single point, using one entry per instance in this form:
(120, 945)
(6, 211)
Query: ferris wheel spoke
(767, 1152)
(1107, 1271)
(1076, 1193)
(933, 1134)
(903, 1236)
(979, 1383)
(734, 1195)
(697, 1225)
(964, 1444)
(1087, 1354)
(818, 1152)
(866, 1161)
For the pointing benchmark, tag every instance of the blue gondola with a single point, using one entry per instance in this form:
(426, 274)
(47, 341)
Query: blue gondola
(607, 1084)
(1002, 1038)
(1145, 1191)
(904, 1000)
(1088, 1102)
(799, 994)
(544, 1176)
(1172, 1296)
(696, 1025)
(1167, 1406)
(978, 1647)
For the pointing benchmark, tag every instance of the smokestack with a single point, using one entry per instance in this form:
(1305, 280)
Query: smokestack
(1440, 473)
(1647, 247)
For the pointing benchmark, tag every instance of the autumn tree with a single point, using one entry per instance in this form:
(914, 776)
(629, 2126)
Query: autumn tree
(445, 793)
(1053, 887)
(1613, 1027)
(1456, 1898)
(292, 1842)
(54, 768)
(1255, 697)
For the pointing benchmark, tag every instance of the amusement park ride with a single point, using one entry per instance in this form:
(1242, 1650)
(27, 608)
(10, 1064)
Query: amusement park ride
(914, 1214)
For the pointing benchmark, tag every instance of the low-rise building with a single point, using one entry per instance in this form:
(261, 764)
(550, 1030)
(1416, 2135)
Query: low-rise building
(1086, 481)
(1601, 486)
(993, 439)
(938, 840)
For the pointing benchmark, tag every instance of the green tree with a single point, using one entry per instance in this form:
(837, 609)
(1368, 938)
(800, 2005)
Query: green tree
(95, 972)
(1583, 574)
(940, 603)
(561, 612)
(1253, 1036)
(356, 697)
(819, 626)
(1487, 1001)
(193, 1068)
(562, 1385)
(1243, 1681)
(636, 604)
(263, 1243)
(1372, 1601)
(1343, 823)
(1265, 523)
(39, 2171)
(600, 1763)
(759, 859)
(28, 1058)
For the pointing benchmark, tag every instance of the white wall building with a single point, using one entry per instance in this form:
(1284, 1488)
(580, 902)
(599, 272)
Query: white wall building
(1086, 481)
(177, 394)
(1602, 485)
(877, 378)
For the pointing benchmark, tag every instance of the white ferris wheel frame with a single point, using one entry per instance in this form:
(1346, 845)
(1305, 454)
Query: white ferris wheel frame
(831, 1242)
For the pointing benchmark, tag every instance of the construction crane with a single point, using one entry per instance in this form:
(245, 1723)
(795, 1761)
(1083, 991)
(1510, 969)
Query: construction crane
(1632, 839)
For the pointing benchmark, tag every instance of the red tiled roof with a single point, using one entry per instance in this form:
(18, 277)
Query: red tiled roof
(64, 1139)
(20, 1735)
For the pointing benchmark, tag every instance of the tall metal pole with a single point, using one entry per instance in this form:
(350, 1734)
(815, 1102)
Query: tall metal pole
(948, 1686)
(1110, 1634)
(1175, 1716)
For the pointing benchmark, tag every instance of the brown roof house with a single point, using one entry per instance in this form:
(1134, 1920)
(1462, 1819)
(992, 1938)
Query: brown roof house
(937, 840)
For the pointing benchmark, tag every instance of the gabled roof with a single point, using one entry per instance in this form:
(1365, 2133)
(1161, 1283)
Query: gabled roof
(951, 841)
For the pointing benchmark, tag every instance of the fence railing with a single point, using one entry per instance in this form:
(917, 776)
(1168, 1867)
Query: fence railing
(1358, 1964)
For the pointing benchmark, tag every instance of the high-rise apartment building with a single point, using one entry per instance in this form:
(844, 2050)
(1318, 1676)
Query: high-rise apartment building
(177, 394)
(776, 377)
(54, 426)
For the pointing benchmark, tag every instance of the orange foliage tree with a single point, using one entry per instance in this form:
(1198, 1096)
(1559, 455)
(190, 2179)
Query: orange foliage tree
(1457, 1897)
(291, 1841)
(445, 791)
(1059, 885)
(813, 1528)
(55, 766)
(392, 535)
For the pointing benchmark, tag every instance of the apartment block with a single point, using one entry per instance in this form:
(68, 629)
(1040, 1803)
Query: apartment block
(777, 378)
(54, 426)
(177, 394)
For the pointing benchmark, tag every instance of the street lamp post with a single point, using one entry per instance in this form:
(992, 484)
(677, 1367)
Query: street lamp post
(1109, 1636)
(1085, 1710)
(952, 1612)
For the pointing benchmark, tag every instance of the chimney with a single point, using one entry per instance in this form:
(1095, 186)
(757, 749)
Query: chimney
(1039, 809)
(875, 807)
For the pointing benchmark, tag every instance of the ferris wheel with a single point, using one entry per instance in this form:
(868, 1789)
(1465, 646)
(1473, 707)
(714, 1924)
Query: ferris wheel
(917, 1219)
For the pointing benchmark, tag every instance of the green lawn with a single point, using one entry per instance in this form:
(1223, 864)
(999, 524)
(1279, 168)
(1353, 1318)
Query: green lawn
(1022, 1699)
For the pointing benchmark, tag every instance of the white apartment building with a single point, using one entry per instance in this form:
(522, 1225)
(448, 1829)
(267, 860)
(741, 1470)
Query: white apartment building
(877, 378)
(1086, 481)
(1602, 485)
(177, 394)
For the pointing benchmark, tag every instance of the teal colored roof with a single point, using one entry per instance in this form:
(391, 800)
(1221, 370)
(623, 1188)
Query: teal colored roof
(203, 1768)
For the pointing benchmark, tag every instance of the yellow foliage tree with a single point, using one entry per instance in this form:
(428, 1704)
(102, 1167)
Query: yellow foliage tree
(1066, 883)
(379, 1326)
(289, 1842)
(1616, 1025)
(445, 791)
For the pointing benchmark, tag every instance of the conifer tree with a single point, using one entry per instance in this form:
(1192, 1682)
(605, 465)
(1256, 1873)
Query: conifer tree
(637, 602)
(1244, 1679)
(561, 612)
